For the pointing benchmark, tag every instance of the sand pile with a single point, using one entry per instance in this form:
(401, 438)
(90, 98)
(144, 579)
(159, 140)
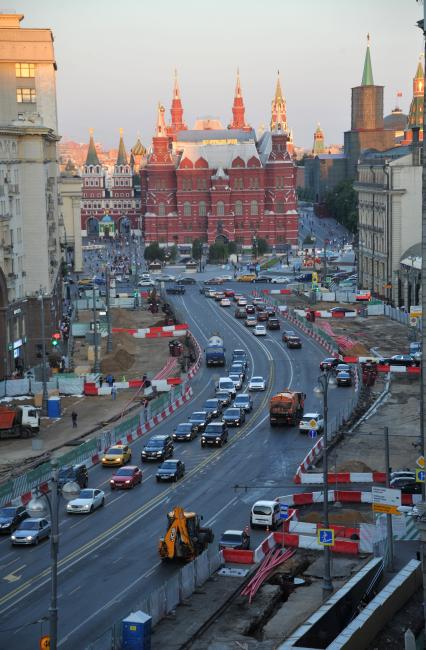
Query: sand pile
(348, 517)
(354, 466)
(120, 361)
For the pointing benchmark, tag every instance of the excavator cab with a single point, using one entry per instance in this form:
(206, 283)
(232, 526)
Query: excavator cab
(185, 538)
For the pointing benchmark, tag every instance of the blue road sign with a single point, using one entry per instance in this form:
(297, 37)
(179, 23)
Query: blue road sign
(283, 511)
(326, 536)
(420, 475)
(313, 433)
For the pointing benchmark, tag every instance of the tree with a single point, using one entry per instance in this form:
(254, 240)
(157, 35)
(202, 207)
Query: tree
(342, 204)
(218, 252)
(260, 247)
(153, 252)
(232, 248)
(197, 249)
(173, 253)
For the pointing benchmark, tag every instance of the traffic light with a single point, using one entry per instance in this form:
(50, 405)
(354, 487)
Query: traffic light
(56, 337)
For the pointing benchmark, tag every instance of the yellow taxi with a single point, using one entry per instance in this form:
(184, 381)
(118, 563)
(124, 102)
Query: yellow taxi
(246, 278)
(84, 281)
(116, 456)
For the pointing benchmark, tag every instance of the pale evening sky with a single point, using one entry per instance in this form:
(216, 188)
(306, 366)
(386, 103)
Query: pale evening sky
(116, 59)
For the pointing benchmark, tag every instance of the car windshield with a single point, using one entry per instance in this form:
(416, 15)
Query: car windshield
(215, 427)
(29, 525)
(211, 403)
(154, 444)
(198, 416)
(231, 537)
(256, 379)
(124, 471)
(233, 412)
(241, 399)
(234, 376)
(86, 494)
(169, 464)
(262, 510)
(7, 512)
(183, 428)
(115, 451)
(227, 384)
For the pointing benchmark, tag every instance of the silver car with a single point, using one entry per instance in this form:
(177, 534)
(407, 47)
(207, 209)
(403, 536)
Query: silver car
(31, 531)
(87, 502)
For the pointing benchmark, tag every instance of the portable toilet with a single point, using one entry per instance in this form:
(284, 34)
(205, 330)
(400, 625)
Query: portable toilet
(136, 631)
(54, 407)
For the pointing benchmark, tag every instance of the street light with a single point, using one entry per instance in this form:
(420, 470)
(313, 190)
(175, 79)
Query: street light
(37, 508)
(325, 381)
(96, 366)
(45, 396)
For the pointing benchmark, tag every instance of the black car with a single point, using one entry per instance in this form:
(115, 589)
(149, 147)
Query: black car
(185, 431)
(236, 539)
(200, 419)
(186, 280)
(170, 470)
(262, 278)
(234, 416)
(343, 378)
(271, 311)
(294, 342)
(177, 289)
(216, 433)
(240, 313)
(273, 324)
(77, 473)
(406, 360)
(288, 333)
(224, 397)
(330, 362)
(407, 485)
(11, 517)
(213, 406)
(158, 447)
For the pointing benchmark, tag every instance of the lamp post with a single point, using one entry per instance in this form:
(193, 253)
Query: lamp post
(45, 395)
(109, 335)
(96, 367)
(37, 508)
(325, 381)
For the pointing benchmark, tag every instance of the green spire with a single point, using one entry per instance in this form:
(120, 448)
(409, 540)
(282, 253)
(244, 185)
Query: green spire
(122, 155)
(92, 156)
(367, 75)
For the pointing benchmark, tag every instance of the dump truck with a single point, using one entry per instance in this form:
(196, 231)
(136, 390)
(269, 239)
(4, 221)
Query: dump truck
(185, 538)
(11, 424)
(286, 407)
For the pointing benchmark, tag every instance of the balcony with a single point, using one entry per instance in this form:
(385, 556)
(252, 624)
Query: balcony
(5, 217)
(13, 189)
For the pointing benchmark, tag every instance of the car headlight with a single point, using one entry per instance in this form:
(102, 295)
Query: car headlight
(29, 537)
(128, 481)
(112, 482)
(144, 453)
(218, 439)
(4, 525)
(159, 453)
(13, 537)
(87, 507)
(103, 459)
(188, 435)
(203, 439)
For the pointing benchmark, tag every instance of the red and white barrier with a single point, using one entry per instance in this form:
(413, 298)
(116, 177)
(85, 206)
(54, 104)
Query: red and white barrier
(342, 496)
(195, 368)
(154, 332)
(307, 478)
(310, 542)
(162, 385)
(309, 459)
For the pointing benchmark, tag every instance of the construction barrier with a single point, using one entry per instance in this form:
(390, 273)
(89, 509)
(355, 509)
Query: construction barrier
(342, 496)
(311, 478)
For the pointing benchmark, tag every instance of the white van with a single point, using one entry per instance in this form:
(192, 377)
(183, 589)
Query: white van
(226, 384)
(265, 513)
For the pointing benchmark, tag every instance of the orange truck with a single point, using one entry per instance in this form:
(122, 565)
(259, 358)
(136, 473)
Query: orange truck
(286, 407)
(11, 425)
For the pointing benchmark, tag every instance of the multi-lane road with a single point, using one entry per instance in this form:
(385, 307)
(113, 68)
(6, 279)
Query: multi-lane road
(108, 560)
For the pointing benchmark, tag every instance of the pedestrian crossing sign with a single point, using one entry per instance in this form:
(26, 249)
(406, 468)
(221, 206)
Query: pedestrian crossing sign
(325, 536)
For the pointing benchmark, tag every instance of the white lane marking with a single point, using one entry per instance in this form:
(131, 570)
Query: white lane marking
(74, 590)
(111, 501)
(212, 519)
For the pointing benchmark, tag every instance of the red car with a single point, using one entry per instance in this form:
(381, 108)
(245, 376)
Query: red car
(229, 293)
(126, 477)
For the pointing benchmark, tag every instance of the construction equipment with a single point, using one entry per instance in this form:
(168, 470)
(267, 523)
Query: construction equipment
(11, 425)
(185, 538)
(286, 407)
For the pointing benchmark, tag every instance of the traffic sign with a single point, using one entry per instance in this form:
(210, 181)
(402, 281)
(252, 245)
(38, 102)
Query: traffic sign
(312, 433)
(420, 475)
(313, 423)
(421, 462)
(386, 500)
(44, 642)
(325, 536)
(283, 511)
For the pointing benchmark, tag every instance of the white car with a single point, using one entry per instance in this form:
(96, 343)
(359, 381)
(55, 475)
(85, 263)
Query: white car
(226, 278)
(145, 283)
(87, 502)
(237, 379)
(225, 302)
(165, 278)
(257, 383)
(312, 421)
(259, 330)
(242, 302)
(281, 279)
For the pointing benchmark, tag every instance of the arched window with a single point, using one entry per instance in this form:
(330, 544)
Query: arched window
(254, 208)
(161, 210)
(187, 209)
(280, 207)
(238, 208)
(220, 209)
(202, 209)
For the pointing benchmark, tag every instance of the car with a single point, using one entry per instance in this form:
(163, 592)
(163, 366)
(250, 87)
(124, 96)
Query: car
(216, 433)
(250, 309)
(185, 431)
(243, 401)
(328, 363)
(260, 306)
(343, 378)
(117, 455)
(224, 397)
(234, 416)
(11, 517)
(237, 379)
(240, 313)
(170, 470)
(262, 277)
(250, 321)
(166, 278)
(213, 281)
(225, 302)
(280, 279)
(246, 278)
(237, 297)
(257, 301)
(186, 280)
(241, 356)
(238, 368)
(176, 290)
(407, 485)
(288, 333)
(213, 406)
(226, 278)
(259, 330)
(273, 324)
(88, 500)
(226, 384)
(77, 473)
(342, 310)
(219, 296)
(235, 539)
(342, 367)
(271, 311)
(257, 383)
(294, 342)
(229, 293)
(126, 477)
(84, 282)
(312, 421)
(242, 302)
(210, 293)
(200, 420)
(158, 447)
(145, 283)
(31, 531)
(262, 316)
(406, 360)
(145, 276)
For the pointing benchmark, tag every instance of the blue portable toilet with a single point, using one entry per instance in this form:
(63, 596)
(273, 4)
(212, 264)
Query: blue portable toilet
(136, 631)
(54, 407)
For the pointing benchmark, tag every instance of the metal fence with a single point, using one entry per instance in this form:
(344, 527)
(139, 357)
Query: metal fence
(401, 317)
(166, 598)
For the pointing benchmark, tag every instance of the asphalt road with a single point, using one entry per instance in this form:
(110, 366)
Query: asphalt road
(108, 560)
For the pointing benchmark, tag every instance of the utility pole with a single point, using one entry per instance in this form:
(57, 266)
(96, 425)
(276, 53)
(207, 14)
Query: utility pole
(325, 259)
(388, 517)
(45, 396)
(96, 367)
(109, 335)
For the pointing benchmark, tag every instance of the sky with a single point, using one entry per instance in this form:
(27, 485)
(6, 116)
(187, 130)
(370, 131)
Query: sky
(116, 60)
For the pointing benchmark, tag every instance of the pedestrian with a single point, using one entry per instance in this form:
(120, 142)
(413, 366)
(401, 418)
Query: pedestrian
(74, 417)
(113, 392)
(101, 381)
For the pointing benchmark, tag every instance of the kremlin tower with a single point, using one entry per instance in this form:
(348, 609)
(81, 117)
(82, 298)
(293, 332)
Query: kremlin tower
(238, 109)
(176, 112)
(279, 115)
(318, 147)
(415, 115)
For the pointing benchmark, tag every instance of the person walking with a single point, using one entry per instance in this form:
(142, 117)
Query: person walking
(113, 392)
(74, 417)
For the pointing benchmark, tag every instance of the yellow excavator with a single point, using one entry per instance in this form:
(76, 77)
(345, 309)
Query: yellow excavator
(185, 537)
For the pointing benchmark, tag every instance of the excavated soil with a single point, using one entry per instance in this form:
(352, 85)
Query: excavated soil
(347, 516)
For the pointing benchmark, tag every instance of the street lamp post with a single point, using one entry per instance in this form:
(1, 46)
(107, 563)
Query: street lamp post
(325, 381)
(45, 395)
(37, 508)
(96, 367)
(109, 335)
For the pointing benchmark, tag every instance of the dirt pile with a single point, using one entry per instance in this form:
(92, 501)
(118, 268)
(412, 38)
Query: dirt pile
(348, 517)
(354, 466)
(120, 361)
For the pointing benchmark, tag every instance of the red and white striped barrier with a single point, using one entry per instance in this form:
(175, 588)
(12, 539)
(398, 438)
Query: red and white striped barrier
(195, 368)
(342, 496)
(169, 368)
(311, 542)
(382, 367)
(309, 459)
(162, 385)
(154, 332)
(307, 478)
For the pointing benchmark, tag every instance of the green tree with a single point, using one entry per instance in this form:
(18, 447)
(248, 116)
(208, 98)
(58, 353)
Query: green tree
(153, 252)
(232, 248)
(173, 253)
(342, 204)
(218, 252)
(260, 247)
(197, 249)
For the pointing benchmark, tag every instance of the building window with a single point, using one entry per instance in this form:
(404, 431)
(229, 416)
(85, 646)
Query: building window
(238, 208)
(161, 210)
(202, 209)
(220, 209)
(24, 69)
(254, 208)
(202, 184)
(280, 208)
(238, 184)
(187, 209)
(186, 184)
(25, 95)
